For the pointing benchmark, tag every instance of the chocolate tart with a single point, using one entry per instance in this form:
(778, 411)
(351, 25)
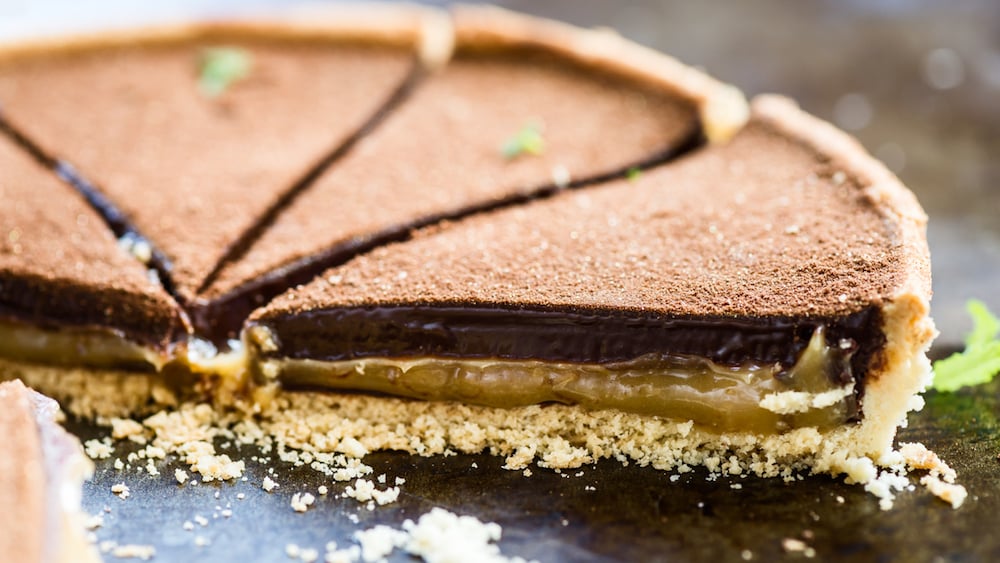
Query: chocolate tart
(601, 106)
(771, 283)
(761, 285)
(42, 470)
(195, 169)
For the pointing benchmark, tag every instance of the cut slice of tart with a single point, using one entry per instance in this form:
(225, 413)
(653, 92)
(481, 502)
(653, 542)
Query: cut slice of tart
(525, 107)
(42, 469)
(773, 287)
(195, 133)
(69, 294)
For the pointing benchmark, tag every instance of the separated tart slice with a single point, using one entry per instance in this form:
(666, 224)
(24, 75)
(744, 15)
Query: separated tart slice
(71, 298)
(770, 290)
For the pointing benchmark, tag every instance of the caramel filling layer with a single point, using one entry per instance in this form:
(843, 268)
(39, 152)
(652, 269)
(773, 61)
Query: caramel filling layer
(72, 346)
(751, 397)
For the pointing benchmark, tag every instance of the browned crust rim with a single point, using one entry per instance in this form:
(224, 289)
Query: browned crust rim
(403, 26)
(722, 108)
(880, 187)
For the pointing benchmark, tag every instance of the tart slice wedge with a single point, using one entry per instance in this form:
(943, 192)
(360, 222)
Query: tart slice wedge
(69, 294)
(774, 287)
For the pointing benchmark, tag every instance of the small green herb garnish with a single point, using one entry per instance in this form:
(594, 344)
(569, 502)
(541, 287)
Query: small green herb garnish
(633, 174)
(528, 140)
(981, 359)
(220, 67)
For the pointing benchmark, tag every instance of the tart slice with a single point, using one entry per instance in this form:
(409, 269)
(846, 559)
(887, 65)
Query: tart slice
(770, 289)
(196, 133)
(41, 471)
(524, 107)
(69, 294)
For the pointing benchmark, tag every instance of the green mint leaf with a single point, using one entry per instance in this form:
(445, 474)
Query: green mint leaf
(220, 67)
(528, 141)
(633, 174)
(980, 361)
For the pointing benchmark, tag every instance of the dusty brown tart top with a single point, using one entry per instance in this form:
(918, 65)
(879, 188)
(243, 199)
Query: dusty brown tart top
(61, 266)
(768, 225)
(194, 171)
(443, 153)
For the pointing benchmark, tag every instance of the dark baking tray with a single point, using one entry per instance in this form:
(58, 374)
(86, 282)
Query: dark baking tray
(605, 512)
(817, 52)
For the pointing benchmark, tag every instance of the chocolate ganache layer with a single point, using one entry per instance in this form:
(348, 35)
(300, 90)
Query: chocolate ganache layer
(598, 337)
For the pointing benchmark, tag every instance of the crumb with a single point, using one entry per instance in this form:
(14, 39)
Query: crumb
(119, 465)
(122, 428)
(180, 475)
(187, 525)
(201, 541)
(292, 551)
(322, 490)
(226, 513)
(387, 496)
(840, 499)
(309, 555)
(527, 472)
(948, 492)
(361, 491)
(302, 502)
(121, 489)
(144, 552)
(218, 467)
(746, 555)
(736, 486)
(201, 520)
(98, 449)
(268, 484)
(240, 496)
(378, 542)
(792, 544)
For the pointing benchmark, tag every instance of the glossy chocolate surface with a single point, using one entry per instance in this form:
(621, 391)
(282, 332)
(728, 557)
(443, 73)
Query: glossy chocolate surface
(602, 337)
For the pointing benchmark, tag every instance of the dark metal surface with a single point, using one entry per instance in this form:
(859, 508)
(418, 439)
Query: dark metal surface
(630, 514)
(918, 82)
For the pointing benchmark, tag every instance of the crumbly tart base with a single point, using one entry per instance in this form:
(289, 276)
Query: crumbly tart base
(99, 393)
